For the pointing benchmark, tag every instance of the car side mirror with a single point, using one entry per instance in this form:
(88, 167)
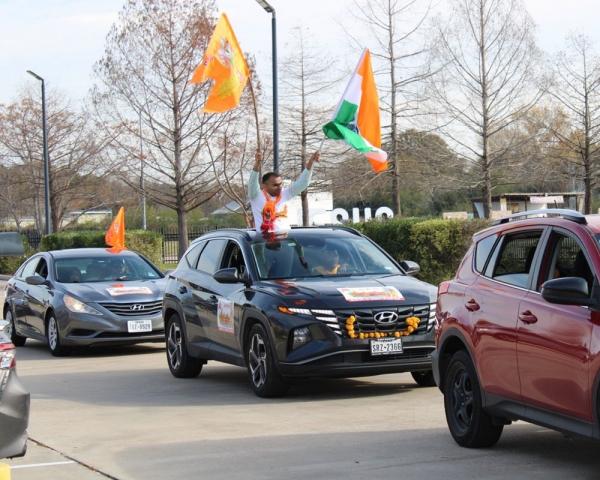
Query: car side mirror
(230, 275)
(567, 291)
(411, 268)
(36, 280)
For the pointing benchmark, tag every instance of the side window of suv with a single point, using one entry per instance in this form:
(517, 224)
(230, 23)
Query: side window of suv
(564, 257)
(513, 258)
(192, 255)
(482, 252)
(233, 258)
(210, 256)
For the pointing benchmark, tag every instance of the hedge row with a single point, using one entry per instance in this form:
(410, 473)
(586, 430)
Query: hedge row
(436, 245)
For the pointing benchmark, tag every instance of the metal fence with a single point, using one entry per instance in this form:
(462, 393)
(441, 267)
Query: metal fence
(170, 243)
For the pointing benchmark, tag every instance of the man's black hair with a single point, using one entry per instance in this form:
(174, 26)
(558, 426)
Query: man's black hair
(268, 175)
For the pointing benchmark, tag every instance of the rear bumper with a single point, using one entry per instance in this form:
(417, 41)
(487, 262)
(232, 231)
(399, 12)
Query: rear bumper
(14, 418)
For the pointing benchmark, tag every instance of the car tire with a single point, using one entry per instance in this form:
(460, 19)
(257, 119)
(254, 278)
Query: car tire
(424, 378)
(15, 338)
(469, 424)
(181, 364)
(53, 336)
(264, 377)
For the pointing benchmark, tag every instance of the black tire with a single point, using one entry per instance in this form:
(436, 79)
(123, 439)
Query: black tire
(15, 338)
(469, 424)
(424, 378)
(264, 377)
(181, 364)
(53, 336)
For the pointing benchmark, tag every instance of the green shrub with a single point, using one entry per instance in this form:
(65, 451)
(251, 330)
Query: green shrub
(147, 243)
(438, 246)
(392, 235)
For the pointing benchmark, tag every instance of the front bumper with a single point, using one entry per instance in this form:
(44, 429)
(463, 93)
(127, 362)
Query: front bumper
(352, 358)
(14, 418)
(80, 330)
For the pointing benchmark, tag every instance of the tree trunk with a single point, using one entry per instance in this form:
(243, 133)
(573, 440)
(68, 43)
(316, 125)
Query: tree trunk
(182, 228)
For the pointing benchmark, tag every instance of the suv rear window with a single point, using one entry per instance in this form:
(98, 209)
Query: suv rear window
(482, 252)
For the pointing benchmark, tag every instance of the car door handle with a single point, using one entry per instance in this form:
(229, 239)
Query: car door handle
(472, 306)
(183, 289)
(527, 317)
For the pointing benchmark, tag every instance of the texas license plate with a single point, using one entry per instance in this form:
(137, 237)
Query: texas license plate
(386, 346)
(134, 326)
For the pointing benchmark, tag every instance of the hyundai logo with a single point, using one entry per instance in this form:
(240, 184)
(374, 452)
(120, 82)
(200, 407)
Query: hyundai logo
(136, 307)
(387, 318)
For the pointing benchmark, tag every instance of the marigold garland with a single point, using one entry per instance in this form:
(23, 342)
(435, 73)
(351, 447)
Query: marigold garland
(411, 322)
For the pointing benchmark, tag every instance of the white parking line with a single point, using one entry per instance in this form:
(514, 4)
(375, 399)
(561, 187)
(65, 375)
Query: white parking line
(39, 465)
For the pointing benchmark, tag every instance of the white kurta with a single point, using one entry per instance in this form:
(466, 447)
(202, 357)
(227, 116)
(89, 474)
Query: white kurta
(258, 201)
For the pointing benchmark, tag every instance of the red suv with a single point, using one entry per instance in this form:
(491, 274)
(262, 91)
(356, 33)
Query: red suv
(518, 328)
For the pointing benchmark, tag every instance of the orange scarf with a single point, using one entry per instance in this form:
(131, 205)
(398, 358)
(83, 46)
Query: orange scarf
(269, 212)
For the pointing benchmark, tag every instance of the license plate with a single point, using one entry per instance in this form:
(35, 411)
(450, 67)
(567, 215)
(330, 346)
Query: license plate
(134, 326)
(386, 346)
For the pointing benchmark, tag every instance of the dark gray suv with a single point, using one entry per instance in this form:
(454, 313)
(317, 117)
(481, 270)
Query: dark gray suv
(317, 302)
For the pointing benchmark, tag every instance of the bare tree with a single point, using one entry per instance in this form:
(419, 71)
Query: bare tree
(577, 92)
(150, 56)
(397, 28)
(73, 152)
(487, 61)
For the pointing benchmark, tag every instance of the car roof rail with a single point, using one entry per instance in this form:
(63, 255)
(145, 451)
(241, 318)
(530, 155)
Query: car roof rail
(567, 214)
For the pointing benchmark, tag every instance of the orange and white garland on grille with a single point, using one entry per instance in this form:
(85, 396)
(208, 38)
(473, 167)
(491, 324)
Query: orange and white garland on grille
(412, 322)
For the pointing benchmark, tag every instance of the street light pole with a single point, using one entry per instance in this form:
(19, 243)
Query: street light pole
(142, 177)
(46, 162)
(269, 9)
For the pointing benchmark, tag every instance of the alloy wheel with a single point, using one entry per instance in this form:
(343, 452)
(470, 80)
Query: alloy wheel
(257, 358)
(52, 333)
(174, 347)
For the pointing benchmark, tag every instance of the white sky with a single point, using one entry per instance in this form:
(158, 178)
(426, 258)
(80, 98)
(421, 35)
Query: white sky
(61, 39)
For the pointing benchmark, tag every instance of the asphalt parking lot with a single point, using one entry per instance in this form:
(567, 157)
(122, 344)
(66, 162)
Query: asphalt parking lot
(118, 413)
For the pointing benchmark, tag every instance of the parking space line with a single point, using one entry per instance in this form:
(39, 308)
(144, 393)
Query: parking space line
(14, 467)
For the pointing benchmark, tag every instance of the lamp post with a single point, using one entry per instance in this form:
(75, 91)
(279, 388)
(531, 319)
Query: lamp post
(46, 165)
(269, 9)
(142, 177)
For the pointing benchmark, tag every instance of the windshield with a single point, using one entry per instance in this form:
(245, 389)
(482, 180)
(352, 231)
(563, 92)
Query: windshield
(312, 256)
(103, 269)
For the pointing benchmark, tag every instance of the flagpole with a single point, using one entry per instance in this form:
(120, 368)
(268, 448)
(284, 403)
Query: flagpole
(255, 113)
(321, 146)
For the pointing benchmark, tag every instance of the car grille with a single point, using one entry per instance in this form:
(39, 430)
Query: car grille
(365, 321)
(134, 309)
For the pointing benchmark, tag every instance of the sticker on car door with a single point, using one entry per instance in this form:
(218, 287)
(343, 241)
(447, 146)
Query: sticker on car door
(225, 316)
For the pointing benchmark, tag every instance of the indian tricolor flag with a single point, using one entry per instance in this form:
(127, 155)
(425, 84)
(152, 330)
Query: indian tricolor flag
(356, 118)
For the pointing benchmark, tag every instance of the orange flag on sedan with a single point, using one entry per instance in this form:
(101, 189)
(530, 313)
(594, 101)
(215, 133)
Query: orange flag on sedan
(115, 236)
(223, 62)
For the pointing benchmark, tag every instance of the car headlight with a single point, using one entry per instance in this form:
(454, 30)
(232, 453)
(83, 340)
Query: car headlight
(77, 306)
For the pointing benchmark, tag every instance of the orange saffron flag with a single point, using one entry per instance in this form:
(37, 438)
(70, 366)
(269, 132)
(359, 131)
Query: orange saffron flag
(115, 236)
(223, 62)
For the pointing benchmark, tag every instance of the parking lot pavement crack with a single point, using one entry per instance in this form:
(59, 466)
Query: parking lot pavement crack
(89, 467)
